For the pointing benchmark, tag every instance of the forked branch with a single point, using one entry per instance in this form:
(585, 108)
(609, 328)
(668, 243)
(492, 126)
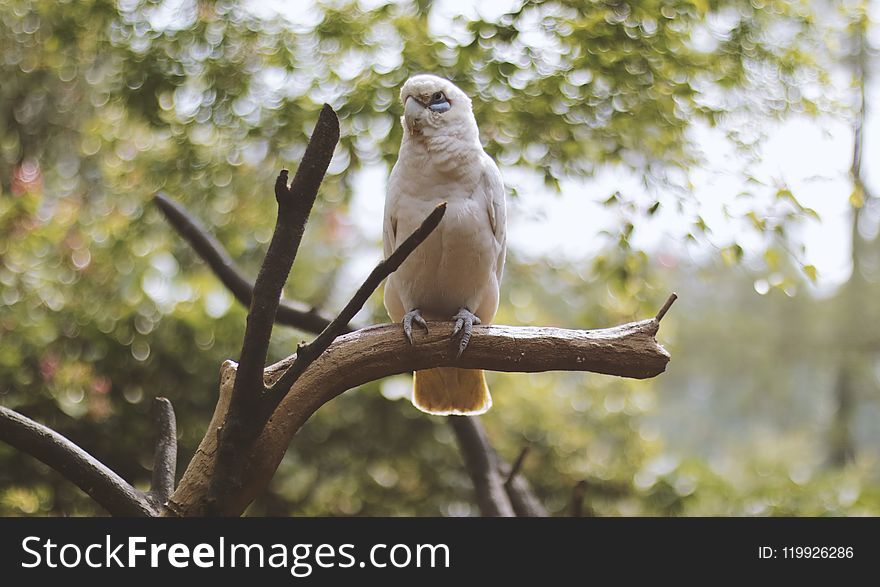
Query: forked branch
(292, 313)
(104, 486)
(369, 354)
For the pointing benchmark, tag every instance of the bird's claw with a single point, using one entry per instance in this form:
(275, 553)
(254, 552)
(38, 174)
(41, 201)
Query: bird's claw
(408, 319)
(464, 324)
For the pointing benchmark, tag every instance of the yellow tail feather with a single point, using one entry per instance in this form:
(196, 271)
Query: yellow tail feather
(448, 391)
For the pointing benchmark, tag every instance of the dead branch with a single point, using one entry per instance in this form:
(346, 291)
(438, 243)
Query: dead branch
(629, 350)
(666, 305)
(219, 261)
(481, 462)
(524, 501)
(247, 416)
(261, 408)
(294, 206)
(104, 486)
(517, 465)
(519, 491)
(165, 454)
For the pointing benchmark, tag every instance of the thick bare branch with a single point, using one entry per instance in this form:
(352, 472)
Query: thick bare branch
(290, 313)
(165, 454)
(482, 466)
(306, 354)
(294, 314)
(369, 354)
(247, 415)
(107, 488)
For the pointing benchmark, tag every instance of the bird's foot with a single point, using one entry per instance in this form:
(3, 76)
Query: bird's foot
(408, 319)
(464, 324)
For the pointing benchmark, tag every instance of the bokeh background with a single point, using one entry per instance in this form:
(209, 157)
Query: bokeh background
(718, 148)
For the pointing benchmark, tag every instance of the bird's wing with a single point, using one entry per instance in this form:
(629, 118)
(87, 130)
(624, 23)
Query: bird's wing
(389, 242)
(493, 190)
(389, 225)
(389, 233)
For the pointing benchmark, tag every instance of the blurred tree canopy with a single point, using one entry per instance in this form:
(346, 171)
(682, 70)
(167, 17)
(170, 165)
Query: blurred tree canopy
(102, 104)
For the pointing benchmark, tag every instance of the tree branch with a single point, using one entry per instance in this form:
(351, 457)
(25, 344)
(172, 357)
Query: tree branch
(246, 392)
(165, 454)
(290, 313)
(107, 488)
(481, 463)
(247, 415)
(517, 465)
(306, 354)
(668, 304)
(523, 499)
(519, 491)
(629, 350)
(576, 508)
(294, 206)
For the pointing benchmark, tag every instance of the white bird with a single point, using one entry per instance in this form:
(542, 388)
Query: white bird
(455, 274)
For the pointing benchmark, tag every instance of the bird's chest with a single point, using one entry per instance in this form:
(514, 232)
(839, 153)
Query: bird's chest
(433, 184)
(449, 270)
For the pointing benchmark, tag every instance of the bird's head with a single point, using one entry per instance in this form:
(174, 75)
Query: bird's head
(432, 105)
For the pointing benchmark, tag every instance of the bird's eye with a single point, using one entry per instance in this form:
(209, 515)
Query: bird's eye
(439, 102)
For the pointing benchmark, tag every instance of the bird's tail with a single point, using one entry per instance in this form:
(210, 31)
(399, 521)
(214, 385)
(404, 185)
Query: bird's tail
(448, 391)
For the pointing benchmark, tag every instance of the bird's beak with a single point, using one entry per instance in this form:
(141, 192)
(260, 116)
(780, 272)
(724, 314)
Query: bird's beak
(413, 110)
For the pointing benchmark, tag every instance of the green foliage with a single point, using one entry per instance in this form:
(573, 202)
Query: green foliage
(102, 104)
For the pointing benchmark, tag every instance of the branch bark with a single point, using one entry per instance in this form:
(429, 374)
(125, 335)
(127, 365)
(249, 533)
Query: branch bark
(517, 465)
(292, 313)
(253, 398)
(104, 486)
(248, 414)
(294, 206)
(629, 350)
(519, 491)
(523, 499)
(481, 462)
(165, 454)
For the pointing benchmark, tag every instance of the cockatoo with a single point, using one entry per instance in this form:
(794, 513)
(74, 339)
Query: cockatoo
(455, 273)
